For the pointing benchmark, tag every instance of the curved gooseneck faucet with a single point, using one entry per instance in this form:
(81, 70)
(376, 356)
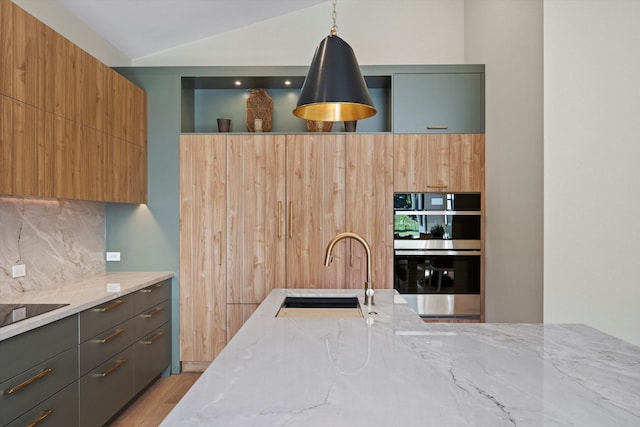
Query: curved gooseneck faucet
(368, 286)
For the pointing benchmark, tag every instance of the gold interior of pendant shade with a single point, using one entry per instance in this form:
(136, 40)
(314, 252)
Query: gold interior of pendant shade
(334, 111)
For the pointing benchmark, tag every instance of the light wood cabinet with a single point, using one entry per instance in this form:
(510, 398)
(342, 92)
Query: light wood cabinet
(71, 127)
(256, 216)
(203, 213)
(369, 208)
(438, 162)
(316, 209)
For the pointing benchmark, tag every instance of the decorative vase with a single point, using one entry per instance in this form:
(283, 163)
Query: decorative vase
(350, 126)
(259, 106)
(318, 126)
(224, 125)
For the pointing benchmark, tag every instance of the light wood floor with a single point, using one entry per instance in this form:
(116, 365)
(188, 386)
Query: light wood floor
(152, 406)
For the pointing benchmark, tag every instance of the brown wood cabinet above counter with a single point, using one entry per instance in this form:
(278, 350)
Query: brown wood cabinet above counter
(70, 127)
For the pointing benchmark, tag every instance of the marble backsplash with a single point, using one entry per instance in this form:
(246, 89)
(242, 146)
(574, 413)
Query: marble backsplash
(57, 240)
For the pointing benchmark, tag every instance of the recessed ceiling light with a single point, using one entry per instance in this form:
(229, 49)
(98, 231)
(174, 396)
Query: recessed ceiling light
(287, 82)
(238, 82)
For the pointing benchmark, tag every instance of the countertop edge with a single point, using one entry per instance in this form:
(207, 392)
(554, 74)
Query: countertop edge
(80, 295)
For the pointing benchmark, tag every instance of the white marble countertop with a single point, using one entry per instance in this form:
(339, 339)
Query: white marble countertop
(80, 295)
(400, 371)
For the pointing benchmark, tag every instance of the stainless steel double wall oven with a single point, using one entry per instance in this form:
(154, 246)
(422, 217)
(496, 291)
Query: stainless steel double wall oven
(437, 253)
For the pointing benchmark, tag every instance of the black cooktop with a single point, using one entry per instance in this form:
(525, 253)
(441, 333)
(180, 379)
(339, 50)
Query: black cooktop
(12, 313)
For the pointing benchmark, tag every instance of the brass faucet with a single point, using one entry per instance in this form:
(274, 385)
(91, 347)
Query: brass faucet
(368, 287)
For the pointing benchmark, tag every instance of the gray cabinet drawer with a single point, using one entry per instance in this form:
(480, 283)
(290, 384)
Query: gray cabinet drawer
(151, 319)
(152, 356)
(104, 345)
(105, 316)
(106, 389)
(61, 410)
(152, 295)
(438, 103)
(20, 393)
(23, 351)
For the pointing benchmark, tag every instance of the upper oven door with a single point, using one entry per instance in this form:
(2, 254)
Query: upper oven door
(437, 216)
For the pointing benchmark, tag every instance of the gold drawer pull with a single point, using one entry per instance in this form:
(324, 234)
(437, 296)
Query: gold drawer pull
(112, 369)
(117, 332)
(41, 418)
(151, 288)
(31, 380)
(437, 127)
(153, 312)
(437, 186)
(291, 220)
(118, 303)
(153, 338)
(279, 219)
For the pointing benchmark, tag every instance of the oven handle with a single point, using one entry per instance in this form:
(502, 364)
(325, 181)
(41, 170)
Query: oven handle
(438, 252)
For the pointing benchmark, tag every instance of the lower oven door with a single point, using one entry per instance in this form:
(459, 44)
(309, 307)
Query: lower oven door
(430, 306)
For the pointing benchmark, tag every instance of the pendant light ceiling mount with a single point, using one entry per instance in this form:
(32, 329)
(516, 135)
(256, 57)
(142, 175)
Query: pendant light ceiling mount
(334, 89)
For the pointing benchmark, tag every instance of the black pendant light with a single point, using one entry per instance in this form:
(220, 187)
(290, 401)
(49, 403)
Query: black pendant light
(334, 89)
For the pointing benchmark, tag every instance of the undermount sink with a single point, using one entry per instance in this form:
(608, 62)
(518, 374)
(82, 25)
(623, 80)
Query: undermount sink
(329, 306)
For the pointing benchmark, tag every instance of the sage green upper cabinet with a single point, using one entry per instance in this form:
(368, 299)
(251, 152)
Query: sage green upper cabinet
(441, 102)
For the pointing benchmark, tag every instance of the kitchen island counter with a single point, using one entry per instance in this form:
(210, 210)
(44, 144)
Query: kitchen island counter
(396, 370)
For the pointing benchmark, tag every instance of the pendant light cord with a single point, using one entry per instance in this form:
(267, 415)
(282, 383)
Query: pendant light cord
(334, 29)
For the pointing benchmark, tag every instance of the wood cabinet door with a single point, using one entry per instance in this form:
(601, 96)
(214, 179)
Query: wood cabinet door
(315, 209)
(203, 306)
(421, 163)
(6, 144)
(467, 163)
(255, 216)
(369, 208)
(25, 128)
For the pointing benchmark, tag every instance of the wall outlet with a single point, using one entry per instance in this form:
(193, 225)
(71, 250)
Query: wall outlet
(19, 270)
(113, 256)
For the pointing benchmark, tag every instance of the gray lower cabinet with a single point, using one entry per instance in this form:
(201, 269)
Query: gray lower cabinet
(447, 102)
(125, 344)
(61, 409)
(36, 365)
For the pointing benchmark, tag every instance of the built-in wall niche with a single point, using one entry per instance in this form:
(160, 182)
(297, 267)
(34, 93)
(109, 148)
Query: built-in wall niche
(204, 99)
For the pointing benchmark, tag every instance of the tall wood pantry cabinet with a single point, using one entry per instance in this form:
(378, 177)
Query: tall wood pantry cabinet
(278, 200)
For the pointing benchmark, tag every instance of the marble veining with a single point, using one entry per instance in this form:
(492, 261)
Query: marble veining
(396, 370)
(57, 240)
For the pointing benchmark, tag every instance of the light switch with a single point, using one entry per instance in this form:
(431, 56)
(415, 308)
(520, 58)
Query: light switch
(19, 270)
(113, 256)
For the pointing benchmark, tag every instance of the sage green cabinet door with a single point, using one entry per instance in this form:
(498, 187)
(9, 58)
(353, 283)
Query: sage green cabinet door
(438, 103)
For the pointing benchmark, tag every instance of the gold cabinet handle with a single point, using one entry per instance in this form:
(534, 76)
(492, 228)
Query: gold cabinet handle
(219, 247)
(113, 368)
(437, 186)
(31, 380)
(437, 127)
(110, 306)
(279, 219)
(153, 312)
(153, 338)
(108, 338)
(291, 220)
(152, 288)
(41, 418)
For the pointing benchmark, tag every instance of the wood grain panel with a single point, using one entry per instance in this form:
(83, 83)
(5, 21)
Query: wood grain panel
(138, 117)
(56, 49)
(316, 195)
(203, 307)
(52, 136)
(25, 34)
(92, 75)
(255, 197)
(6, 47)
(6, 144)
(24, 153)
(467, 162)
(237, 314)
(370, 208)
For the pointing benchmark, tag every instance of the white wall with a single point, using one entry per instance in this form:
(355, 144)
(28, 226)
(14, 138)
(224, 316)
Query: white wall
(592, 150)
(380, 32)
(506, 35)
